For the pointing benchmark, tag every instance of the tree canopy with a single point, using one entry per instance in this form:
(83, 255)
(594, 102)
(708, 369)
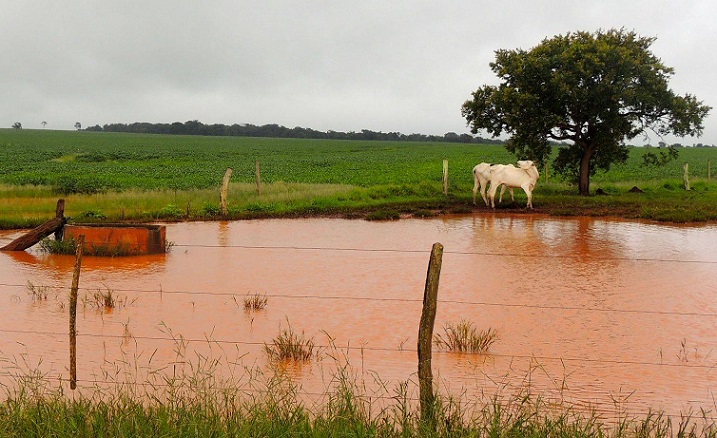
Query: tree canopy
(593, 90)
(195, 127)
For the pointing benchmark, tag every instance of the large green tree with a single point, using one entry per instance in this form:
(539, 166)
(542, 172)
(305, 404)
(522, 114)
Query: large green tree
(591, 90)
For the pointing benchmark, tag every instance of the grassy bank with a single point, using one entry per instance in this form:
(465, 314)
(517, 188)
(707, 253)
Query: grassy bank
(24, 206)
(116, 177)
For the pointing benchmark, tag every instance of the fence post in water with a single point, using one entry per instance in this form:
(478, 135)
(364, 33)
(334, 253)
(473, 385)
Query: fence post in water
(258, 178)
(445, 177)
(425, 336)
(686, 176)
(225, 191)
(73, 311)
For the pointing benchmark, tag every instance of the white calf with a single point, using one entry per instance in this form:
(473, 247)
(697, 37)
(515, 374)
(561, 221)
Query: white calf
(524, 176)
(481, 177)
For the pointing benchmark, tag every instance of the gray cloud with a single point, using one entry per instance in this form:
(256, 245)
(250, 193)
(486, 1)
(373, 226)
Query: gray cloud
(343, 65)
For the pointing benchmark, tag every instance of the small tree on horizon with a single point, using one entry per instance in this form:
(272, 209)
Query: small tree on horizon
(17, 125)
(78, 125)
(44, 123)
(595, 90)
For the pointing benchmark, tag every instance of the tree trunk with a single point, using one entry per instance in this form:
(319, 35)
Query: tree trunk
(584, 182)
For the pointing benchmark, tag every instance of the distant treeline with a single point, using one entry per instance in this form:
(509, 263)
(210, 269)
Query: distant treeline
(194, 127)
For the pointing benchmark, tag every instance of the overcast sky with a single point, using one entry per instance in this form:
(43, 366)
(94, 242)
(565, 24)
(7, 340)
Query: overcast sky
(388, 65)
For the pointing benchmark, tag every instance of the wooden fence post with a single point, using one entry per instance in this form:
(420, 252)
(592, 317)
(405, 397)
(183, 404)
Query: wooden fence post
(73, 311)
(258, 178)
(225, 190)
(425, 336)
(709, 170)
(445, 177)
(686, 176)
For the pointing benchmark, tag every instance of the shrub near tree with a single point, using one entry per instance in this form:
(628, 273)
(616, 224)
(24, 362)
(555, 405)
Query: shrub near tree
(595, 90)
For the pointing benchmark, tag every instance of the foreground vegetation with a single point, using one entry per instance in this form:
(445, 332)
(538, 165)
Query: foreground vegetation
(174, 403)
(119, 177)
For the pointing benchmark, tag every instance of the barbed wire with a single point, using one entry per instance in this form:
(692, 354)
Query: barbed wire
(428, 250)
(182, 339)
(376, 299)
(411, 251)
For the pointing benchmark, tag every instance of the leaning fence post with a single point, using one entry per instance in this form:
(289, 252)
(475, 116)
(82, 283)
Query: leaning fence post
(425, 336)
(73, 311)
(445, 177)
(225, 191)
(686, 176)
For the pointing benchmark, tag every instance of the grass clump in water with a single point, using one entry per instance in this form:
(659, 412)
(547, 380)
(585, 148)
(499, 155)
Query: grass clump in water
(53, 246)
(69, 247)
(255, 302)
(38, 293)
(105, 299)
(290, 345)
(464, 337)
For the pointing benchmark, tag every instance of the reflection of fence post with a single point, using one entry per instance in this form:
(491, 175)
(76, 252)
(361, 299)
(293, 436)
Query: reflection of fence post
(225, 190)
(445, 177)
(425, 336)
(258, 178)
(73, 311)
(686, 176)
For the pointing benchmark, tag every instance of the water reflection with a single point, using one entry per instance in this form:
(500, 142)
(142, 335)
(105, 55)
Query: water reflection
(63, 264)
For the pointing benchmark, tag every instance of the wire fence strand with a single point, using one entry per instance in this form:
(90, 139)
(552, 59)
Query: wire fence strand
(367, 348)
(379, 299)
(421, 251)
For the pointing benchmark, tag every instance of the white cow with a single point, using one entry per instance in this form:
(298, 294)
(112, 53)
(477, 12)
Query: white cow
(481, 178)
(524, 176)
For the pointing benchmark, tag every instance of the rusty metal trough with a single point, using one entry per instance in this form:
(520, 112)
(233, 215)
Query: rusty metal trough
(125, 238)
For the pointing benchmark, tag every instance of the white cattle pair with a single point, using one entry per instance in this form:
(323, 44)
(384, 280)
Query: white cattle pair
(524, 176)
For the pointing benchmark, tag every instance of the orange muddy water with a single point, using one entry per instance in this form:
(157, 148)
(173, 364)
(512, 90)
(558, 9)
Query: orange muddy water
(605, 315)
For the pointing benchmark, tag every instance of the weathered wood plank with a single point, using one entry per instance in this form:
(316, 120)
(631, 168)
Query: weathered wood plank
(35, 235)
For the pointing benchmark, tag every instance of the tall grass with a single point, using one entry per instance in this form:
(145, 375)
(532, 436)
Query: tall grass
(192, 399)
(197, 204)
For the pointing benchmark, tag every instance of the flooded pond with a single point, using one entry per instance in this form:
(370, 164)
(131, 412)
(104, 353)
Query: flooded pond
(602, 315)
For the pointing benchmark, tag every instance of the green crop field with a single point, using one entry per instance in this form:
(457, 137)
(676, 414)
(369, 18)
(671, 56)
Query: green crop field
(117, 161)
(149, 177)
